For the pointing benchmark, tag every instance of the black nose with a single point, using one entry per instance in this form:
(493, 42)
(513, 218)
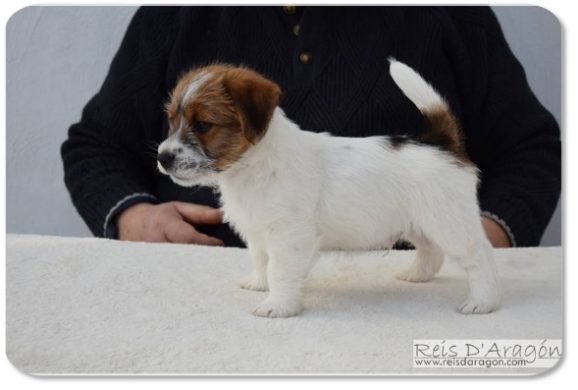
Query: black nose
(166, 159)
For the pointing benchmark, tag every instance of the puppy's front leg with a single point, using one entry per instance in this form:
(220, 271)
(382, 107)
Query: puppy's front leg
(257, 280)
(288, 266)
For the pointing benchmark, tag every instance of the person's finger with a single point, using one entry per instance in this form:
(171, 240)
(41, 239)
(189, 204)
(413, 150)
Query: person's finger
(203, 215)
(181, 232)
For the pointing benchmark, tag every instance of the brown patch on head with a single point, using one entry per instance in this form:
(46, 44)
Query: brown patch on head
(255, 99)
(237, 103)
(441, 129)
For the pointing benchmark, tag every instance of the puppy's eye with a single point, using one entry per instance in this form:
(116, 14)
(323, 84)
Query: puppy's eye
(201, 127)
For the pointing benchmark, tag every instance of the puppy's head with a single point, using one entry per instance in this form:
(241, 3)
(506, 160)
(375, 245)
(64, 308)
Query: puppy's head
(215, 115)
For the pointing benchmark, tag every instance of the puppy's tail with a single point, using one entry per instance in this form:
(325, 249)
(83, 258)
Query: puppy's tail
(441, 127)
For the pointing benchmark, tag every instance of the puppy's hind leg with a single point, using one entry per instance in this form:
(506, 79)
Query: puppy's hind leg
(461, 237)
(428, 261)
(483, 278)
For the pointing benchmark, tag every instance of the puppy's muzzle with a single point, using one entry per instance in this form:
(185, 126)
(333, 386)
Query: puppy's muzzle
(166, 159)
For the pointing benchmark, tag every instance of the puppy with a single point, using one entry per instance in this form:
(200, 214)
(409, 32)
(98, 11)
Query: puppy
(290, 193)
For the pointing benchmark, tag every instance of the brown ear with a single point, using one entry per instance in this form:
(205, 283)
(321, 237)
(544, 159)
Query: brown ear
(255, 99)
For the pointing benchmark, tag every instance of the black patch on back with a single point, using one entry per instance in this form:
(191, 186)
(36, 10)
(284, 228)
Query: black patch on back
(430, 136)
(399, 141)
(442, 130)
(439, 130)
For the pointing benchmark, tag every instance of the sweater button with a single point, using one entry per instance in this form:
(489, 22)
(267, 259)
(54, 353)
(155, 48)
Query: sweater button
(289, 9)
(305, 58)
(296, 29)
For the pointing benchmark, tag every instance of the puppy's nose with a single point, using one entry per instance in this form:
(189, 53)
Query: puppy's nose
(166, 159)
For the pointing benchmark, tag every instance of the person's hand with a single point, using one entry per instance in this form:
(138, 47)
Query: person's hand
(167, 222)
(495, 233)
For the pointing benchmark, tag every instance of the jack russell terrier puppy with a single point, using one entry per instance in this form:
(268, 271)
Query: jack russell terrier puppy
(290, 193)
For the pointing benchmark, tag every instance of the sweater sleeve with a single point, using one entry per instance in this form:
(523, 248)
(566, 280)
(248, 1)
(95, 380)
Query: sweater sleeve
(107, 156)
(521, 172)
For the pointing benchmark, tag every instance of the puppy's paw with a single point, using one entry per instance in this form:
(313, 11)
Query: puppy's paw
(415, 275)
(275, 308)
(253, 282)
(474, 305)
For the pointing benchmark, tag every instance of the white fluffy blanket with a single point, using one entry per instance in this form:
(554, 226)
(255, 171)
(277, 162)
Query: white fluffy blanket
(99, 306)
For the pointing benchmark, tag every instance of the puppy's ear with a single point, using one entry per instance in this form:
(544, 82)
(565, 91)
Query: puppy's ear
(255, 98)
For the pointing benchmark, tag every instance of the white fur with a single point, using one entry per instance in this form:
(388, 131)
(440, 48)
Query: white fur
(191, 89)
(419, 91)
(297, 192)
(187, 160)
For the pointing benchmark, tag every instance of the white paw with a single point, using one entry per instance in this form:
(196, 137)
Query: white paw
(275, 308)
(415, 275)
(479, 306)
(253, 282)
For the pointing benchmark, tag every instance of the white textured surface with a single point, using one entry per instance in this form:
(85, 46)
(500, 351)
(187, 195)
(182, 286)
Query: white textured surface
(99, 306)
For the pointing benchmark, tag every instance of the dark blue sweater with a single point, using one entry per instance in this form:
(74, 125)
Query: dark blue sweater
(333, 71)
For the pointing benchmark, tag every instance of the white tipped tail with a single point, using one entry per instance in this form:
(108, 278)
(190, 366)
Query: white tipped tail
(419, 91)
(441, 127)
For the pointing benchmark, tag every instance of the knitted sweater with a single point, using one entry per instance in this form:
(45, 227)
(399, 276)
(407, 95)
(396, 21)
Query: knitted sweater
(333, 72)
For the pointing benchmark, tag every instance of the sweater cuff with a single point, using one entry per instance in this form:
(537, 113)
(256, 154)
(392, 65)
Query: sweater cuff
(513, 216)
(110, 229)
(503, 224)
(99, 209)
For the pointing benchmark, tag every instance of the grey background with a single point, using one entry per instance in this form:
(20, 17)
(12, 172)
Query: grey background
(57, 58)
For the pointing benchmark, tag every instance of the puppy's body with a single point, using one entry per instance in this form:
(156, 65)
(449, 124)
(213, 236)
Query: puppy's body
(295, 192)
(361, 192)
